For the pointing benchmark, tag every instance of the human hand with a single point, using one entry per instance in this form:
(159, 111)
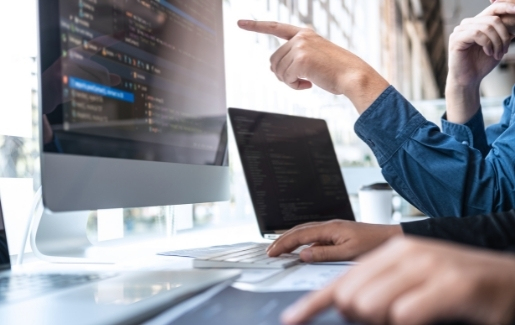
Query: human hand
(411, 282)
(307, 59)
(507, 20)
(475, 49)
(336, 240)
(478, 44)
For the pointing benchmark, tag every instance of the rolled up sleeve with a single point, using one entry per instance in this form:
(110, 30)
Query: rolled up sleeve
(471, 133)
(434, 171)
(388, 124)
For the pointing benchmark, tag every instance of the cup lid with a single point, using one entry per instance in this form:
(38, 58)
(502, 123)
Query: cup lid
(376, 187)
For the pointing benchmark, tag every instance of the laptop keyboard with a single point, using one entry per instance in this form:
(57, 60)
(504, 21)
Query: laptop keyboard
(251, 256)
(17, 287)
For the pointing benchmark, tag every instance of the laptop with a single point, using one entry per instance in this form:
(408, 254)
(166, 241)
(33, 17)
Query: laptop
(94, 298)
(293, 177)
(292, 172)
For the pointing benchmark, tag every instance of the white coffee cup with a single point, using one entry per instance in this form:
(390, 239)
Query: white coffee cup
(375, 203)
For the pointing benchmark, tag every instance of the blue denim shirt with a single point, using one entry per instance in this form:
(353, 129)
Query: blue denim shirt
(460, 171)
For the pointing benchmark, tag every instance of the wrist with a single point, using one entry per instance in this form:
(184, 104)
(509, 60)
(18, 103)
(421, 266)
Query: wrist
(395, 231)
(385, 233)
(455, 85)
(362, 87)
(463, 101)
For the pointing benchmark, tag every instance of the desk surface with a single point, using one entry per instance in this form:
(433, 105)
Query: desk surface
(141, 254)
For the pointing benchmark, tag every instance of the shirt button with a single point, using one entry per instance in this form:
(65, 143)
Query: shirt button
(466, 143)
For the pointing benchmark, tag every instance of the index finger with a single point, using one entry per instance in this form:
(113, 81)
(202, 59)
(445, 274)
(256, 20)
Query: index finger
(280, 30)
(310, 305)
(498, 9)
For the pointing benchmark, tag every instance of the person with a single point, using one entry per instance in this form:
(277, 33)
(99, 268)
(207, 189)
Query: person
(411, 281)
(461, 171)
(315, 59)
(343, 240)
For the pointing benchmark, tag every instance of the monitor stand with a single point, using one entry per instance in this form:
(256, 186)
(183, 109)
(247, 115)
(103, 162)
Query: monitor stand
(62, 238)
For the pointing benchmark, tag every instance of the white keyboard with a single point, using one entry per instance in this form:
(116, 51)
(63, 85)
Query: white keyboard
(251, 256)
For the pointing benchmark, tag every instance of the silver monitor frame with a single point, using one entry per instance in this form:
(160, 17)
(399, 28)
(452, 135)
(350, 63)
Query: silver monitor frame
(76, 183)
(73, 185)
(104, 183)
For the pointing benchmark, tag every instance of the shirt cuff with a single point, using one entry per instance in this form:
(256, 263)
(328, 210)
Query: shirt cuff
(452, 230)
(470, 134)
(388, 123)
(422, 228)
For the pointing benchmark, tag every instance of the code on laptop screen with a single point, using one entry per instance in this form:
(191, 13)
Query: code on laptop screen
(291, 169)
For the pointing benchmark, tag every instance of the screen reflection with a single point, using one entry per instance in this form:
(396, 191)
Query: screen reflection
(135, 80)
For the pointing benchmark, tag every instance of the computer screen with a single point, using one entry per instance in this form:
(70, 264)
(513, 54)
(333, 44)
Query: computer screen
(134, 79)
(291, 169)
(133, 103)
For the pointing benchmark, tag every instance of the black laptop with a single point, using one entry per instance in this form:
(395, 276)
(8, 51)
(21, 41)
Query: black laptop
(291, 169)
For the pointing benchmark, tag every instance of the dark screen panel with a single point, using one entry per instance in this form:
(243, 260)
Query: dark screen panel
(291, 169)
(134, 79)
(5, 262)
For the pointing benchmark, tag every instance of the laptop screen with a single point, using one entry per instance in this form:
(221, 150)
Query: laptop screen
(5, 262)
(291, 169)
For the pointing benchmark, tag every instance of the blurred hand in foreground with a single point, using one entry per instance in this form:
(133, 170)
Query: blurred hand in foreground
(411, 282)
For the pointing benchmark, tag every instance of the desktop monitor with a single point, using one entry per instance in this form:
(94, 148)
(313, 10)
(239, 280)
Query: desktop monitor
(133, 108)
(133, 103)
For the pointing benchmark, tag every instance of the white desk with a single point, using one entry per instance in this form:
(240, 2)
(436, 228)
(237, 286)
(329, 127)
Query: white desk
(142, 254)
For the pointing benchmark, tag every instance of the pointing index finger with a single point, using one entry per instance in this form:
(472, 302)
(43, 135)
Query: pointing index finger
(310, 305)
(280, 30)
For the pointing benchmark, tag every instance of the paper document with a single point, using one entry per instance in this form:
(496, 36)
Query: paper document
(257, 275)
(300, 278)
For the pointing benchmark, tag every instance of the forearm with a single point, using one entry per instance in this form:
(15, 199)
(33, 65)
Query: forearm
(463, 101)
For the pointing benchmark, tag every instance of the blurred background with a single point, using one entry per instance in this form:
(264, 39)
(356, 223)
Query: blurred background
(405, 40)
